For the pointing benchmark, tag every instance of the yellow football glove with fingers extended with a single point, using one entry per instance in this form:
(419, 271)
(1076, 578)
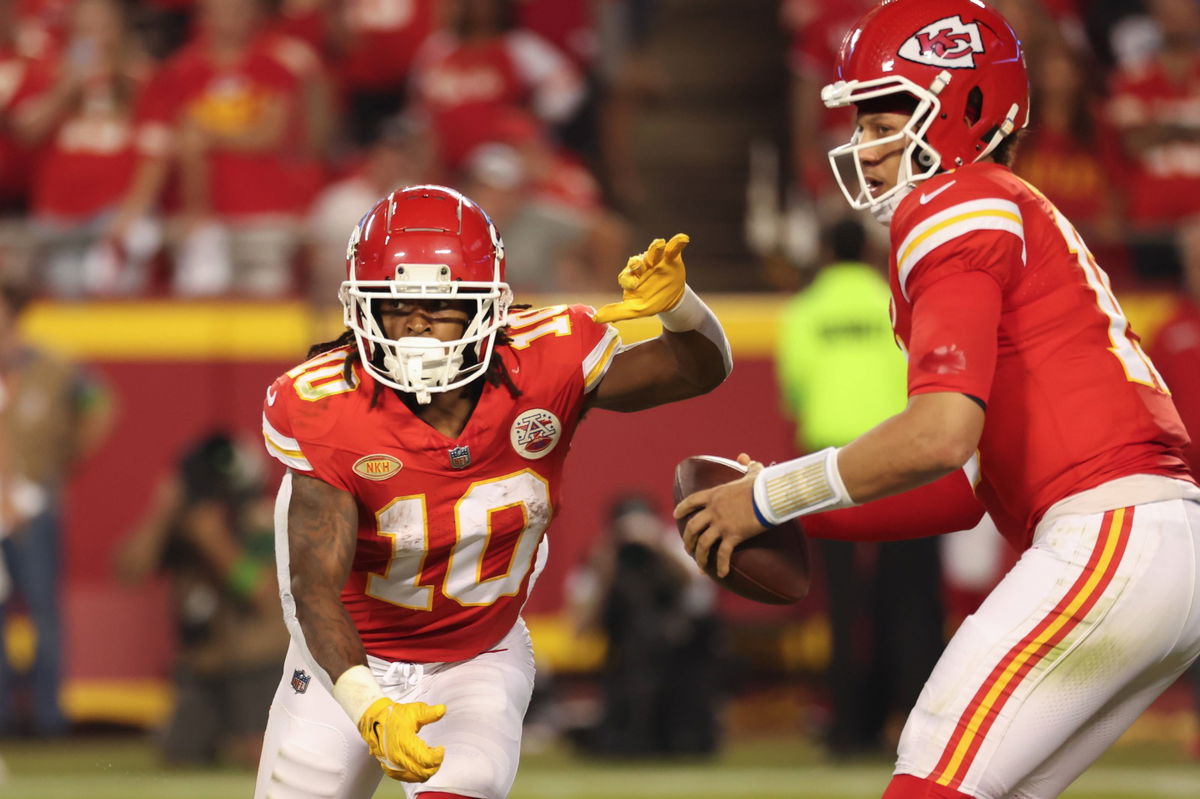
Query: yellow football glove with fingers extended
(390, 730)
(652, 282)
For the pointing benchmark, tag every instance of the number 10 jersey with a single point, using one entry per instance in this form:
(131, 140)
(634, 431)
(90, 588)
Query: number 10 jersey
(450, 531)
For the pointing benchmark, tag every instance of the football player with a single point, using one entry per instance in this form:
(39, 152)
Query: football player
(1017, 349)
(425, 450)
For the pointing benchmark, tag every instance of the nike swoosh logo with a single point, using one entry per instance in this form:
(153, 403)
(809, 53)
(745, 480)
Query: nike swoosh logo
(925, 198)
(270, 396)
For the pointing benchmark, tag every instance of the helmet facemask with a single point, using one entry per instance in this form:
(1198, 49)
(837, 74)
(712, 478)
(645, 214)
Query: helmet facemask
(421, 365)
(918, 160)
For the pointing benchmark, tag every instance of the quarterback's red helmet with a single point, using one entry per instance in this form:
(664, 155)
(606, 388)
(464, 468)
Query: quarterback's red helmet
(425, 243)
(961, 63)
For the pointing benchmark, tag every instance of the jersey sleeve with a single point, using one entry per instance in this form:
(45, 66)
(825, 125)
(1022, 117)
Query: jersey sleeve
(953, 227)
(953, 345)
(598, 344)
(961, 243)
(946, 505)
(286, 441)
(568, 336)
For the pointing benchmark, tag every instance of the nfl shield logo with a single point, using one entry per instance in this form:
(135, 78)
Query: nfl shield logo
(460, 457)
(300, 680)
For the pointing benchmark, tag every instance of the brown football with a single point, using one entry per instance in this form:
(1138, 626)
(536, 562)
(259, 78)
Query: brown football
(772, 567)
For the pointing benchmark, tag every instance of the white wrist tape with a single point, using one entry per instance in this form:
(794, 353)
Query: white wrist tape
(356, 690)
(690, 313)
(797, 487)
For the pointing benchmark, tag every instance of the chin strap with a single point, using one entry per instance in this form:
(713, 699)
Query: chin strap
(412, 367)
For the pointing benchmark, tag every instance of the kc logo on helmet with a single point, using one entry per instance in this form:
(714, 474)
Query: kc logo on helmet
(949, 43)
(535, 433)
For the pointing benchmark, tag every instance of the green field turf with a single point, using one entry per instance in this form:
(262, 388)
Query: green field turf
(125, 768)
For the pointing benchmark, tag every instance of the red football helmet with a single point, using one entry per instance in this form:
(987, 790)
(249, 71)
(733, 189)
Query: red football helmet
(425, 243)
(961, 63)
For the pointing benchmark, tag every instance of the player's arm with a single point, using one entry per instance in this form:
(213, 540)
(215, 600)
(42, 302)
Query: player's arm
(951, 362)
(690, 357)
(322, 525)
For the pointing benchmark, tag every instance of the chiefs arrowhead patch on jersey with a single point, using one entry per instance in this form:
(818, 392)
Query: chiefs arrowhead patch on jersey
(535, 433)
(949, 43)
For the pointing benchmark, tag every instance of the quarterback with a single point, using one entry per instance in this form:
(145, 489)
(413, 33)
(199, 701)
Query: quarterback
(1018, 353)
(425, 450)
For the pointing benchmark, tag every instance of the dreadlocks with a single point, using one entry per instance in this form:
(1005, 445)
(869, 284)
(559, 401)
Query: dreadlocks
(496, 374)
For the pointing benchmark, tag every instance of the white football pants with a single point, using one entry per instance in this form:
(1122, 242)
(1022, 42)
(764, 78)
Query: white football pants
(311, 749)
(1096, 620)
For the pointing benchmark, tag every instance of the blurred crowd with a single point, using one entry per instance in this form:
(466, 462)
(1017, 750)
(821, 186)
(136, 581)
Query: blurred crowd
(198, 148)
(1115, 136)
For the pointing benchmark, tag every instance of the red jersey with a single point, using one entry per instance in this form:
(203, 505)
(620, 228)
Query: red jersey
(469, 89)
(996, 296)
(1163, 181)
(89, 163)
(231, 99)
(384, 36)
(567, 24)
(450, 531)
(1176, 352)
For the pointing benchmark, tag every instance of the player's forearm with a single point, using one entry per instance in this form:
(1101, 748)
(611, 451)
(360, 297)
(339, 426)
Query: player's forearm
(936, 434)
(900, 454)
(701, 363)
(328, 629)
(322, 524)
(697, 342)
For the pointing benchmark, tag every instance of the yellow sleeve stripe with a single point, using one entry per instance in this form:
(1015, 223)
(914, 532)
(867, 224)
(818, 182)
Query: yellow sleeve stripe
(958, 220)
(284, 449)
(596, 364)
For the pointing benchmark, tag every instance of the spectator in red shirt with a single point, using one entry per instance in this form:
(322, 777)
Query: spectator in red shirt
(369, 46)
(251, 110)
(1175, 349)
(817, 32)
(558, 233)
(1070, 154)
(812, 201)
(20, 79)
(1154, 109)
(101, 158)
(481, 66)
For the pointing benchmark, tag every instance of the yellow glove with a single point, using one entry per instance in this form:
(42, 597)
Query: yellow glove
(390, 730)
(653, 282)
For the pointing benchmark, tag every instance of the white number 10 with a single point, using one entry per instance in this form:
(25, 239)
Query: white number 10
(405, 519)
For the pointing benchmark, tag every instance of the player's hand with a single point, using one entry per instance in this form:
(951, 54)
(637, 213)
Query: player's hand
(390, 730)
(652, 282)
(724, 518)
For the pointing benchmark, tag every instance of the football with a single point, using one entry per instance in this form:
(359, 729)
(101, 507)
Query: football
(773, 567)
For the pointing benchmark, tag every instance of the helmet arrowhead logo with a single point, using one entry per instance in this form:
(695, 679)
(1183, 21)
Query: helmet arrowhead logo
(948, 42)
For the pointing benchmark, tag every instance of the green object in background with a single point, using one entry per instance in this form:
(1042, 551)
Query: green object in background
(840, 371)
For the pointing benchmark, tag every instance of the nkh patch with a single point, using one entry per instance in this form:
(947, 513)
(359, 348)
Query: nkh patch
(535, 433)
(460, 457)
(300, 680)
